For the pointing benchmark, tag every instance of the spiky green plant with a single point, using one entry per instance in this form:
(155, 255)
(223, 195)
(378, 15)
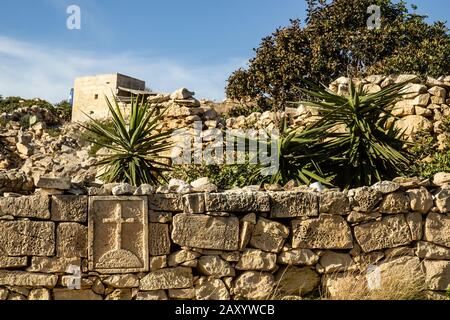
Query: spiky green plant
(133, 147)
(366, 149)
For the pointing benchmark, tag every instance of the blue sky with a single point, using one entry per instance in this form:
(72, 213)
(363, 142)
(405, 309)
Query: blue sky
(168, 43)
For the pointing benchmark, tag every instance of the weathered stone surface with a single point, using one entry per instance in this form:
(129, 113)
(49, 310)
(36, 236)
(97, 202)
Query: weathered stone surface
(182, 294)
(437, 229)
(35, 206)
(211, 289)
(206, 232)
(413, 124)
(335, 262)
(27, 279)
(159, 239)
(69, 208)
(386, 187)
(269, 235)
(443, 200)
(294, 204)
(391, 231)
(430, 251)
(296, 281)
(437, 274)
(66, 294)
(215, 266)
(39, 294)
(357, 217)
(54, 183)
(122, 281)
(415, 223)
(442, 178)
(366, 198)
(145, 190)
(71, 240)
(194, 203)
(160, 217)
(171, 278)
(325, 232)
(297, 257)
(421, 200)
(182, 256)
(120, 294)
(123, 189)
(152, 295)
(12, 262)
(157, 263)
(22, 238)
(334, 202)
(237, 202)
(252, 259)
(247, 225)
(254, 285)
(53, 264)
(394, 203)
(398, 252)
(118, 234)
(165, 202)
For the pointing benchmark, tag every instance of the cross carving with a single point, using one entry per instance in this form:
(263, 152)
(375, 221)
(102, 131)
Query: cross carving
(119, 220)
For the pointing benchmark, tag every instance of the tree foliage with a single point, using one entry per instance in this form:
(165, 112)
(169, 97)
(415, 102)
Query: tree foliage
(337, 42)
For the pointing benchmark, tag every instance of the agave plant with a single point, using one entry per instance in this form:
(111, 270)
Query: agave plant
(134, 150)
(299, 156)
(366, 149)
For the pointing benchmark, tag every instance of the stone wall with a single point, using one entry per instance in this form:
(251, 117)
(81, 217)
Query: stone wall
(241, 244)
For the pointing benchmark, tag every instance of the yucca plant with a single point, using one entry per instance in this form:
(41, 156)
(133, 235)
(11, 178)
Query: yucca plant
(134, 149)
(366, 149)
(299, 156)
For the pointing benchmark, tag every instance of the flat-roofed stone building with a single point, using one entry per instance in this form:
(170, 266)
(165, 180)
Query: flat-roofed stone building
(90, 92)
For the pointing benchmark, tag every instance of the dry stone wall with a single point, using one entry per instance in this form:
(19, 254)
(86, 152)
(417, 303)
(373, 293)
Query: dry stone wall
(238, 244)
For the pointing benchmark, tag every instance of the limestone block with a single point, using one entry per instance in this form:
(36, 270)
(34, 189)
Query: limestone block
(394, 203)
(237, 202)
(35, 206)
(211, 289)
(206, 232)
(53, 264)
(437, 274)
(334, 202)
(122, 281)
(71, 240)
(159, 239)
(54, 183)
(390, 232)
(430, 251)
(27, 238)
(294, 204)
(69, 208)
(297, 257)
(335, 262)
(269, 235)
(182, 294)
(39, 294)
(171, 278)
(165, 202)
(252, 259)
(421, 200)
(152, 295)
(443, 200)
(325, 232)
(296, 281)
(366, 198)
(12, 262)
(215, 266)
(254, 285)
(27, 279)
(119, 234)
(437, 229)
(415, 223)
(66, 294)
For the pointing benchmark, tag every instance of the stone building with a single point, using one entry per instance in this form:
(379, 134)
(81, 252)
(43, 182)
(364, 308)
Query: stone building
(90, 92)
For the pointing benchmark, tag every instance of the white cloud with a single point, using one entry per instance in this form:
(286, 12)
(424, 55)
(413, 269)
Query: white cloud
(31, 70)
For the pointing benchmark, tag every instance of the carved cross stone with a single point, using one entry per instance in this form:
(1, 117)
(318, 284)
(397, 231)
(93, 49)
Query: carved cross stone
(117, 218)
(118, 234)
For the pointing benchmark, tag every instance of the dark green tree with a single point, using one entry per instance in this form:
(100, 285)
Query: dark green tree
(336, 41)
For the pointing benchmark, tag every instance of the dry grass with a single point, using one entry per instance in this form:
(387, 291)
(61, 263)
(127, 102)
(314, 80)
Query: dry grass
(401, 279)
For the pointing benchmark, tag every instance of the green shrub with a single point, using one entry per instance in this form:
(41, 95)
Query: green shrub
(134, 149)
(429, 160)
(64, 109)
(10, 104)
(334, 42)
(223, 176)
